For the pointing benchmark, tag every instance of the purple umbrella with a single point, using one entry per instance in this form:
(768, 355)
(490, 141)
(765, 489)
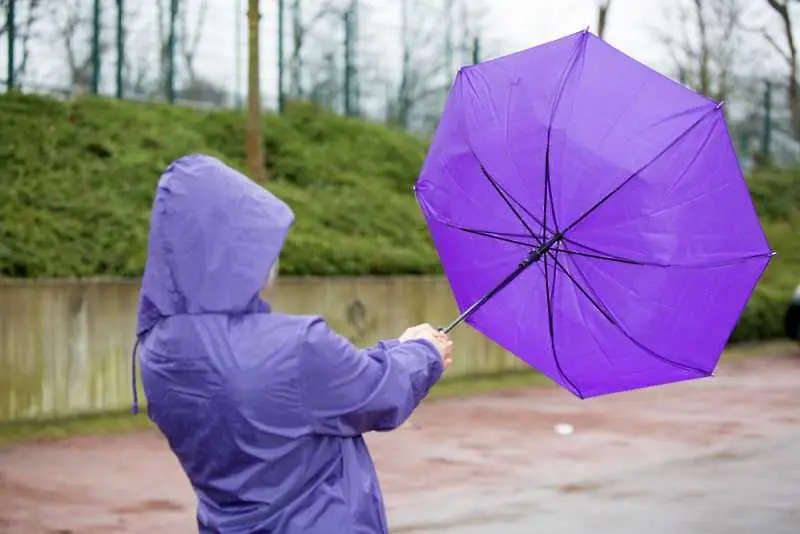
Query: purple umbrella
(591, 216)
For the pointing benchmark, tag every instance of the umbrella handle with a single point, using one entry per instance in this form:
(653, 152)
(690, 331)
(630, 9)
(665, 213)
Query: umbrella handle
(534, 256)
(484, 299)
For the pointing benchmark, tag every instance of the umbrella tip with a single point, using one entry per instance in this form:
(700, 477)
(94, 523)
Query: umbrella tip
(586, 30)
(720, 104)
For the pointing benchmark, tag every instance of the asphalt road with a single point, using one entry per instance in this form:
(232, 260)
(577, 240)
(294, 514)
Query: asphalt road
(742, 488)
(716, 456)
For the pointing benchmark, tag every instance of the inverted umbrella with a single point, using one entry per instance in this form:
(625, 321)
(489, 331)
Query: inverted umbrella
(591, 216)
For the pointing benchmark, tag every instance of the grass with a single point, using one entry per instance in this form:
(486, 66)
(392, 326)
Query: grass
(106, 423)
(120, 422)
(124, 421)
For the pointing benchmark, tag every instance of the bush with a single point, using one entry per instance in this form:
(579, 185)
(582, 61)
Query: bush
(78, 179)
(763, 317)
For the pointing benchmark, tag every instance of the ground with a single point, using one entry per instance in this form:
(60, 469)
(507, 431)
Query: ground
(710, 456)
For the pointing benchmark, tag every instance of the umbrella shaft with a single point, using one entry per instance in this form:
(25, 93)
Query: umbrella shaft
(534, 256)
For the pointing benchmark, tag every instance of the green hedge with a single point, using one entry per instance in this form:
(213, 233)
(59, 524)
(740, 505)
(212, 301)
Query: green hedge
(776, 194)
(78, 178)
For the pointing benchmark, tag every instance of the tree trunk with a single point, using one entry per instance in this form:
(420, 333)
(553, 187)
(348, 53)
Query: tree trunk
(253, 144)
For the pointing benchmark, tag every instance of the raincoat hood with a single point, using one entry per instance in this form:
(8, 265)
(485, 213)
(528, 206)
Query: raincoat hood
(214, 235)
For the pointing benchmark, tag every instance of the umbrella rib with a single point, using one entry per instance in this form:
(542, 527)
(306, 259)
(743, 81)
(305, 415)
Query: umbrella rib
(604, 257)
(546, 229)
(521, 206)
(628, 261)
(494, 235)
(550, 296)
(548, 189)
(600, 307)
(548, 195)
(595, 250)
(503, 193)
(625, 182)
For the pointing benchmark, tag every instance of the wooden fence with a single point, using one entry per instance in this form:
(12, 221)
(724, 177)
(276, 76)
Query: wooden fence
(65, 345)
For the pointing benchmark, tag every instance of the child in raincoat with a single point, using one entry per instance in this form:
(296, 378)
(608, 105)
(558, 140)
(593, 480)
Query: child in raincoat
(264, 411)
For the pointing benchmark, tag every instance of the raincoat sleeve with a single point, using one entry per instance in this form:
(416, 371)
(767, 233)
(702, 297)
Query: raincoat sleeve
(348, 391)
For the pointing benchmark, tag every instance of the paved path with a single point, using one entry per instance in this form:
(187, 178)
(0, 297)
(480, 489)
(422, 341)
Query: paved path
(738, 489)
(706, 457)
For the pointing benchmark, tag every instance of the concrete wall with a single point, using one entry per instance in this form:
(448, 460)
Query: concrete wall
(65, 345)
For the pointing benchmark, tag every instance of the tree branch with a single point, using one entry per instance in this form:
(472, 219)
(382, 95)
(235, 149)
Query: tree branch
(189, 47)
(782, 9)
(771, 40)
(30, 20)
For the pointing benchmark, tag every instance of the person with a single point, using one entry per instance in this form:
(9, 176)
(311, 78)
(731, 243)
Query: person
(264, 411)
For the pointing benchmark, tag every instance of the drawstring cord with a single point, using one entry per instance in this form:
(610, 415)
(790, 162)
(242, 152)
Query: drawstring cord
(135, 406)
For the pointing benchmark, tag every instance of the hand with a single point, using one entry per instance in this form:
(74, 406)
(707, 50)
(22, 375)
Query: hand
(438, 339)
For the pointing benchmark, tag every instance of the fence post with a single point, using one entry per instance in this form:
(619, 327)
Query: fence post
(96, 47)
(120, 47)
(348, 63)
(11, 29)
(297, 58)
(744, 139)
(173, 14)
(476, 50)
(766, 134)
(281, 55)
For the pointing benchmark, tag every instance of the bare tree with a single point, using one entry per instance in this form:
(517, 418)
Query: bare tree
(409, 91)
(4, 24)
(602, 17)
(789, 54)
(73, 24)
(706, 47)
(301, 29)
(325, 87)
(144, 77)
(424, 73)
(190, 37)
(166, 38)
(31, 16)
(195, 87)
(472, 19)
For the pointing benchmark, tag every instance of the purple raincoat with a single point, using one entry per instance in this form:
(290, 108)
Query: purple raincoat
(264, 411)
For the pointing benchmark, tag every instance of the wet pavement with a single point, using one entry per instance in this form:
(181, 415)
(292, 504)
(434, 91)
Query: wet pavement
(738, 489)
(711, 456)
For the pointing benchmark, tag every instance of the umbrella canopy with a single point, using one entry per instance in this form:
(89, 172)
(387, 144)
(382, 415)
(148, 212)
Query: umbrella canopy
(591, 216)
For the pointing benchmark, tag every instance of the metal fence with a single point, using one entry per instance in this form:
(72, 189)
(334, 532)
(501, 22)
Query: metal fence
(767, 130)
(360, 57)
